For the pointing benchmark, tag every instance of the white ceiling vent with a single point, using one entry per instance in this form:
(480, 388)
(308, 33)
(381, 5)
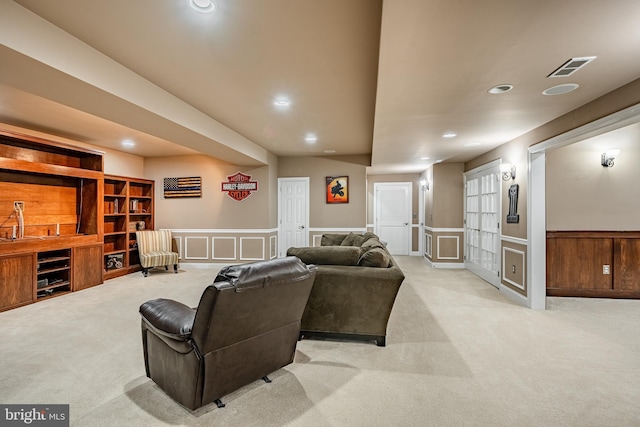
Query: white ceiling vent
(571, 66)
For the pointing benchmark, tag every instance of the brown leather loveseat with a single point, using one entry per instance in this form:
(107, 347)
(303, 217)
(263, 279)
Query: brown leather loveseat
(245, 327)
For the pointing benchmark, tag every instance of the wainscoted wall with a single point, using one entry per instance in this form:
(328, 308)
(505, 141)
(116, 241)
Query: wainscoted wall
(593, 264)
(444, 247)
(514, 265)
(225, 246)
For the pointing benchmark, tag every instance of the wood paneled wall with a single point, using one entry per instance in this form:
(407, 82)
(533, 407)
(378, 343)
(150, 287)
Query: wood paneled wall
(603, 264)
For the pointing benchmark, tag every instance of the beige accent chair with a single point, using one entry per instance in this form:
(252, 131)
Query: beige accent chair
(155, 250)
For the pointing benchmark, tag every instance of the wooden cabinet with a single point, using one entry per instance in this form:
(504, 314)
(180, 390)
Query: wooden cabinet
(128, 207)
(59, 188)
(87, 266)
(17, 280)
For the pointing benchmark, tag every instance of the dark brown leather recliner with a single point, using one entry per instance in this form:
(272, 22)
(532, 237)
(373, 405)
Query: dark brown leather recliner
(245, 327)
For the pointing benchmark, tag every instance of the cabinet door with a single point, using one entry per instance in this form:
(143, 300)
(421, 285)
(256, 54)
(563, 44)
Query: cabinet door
(626, 265)
(577, 263)
(17, 280)
(87, 266)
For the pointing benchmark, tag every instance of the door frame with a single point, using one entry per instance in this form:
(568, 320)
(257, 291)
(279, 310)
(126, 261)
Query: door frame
(282, 251)
(376, 185)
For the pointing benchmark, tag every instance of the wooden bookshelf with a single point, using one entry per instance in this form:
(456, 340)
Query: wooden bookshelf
(128, 207)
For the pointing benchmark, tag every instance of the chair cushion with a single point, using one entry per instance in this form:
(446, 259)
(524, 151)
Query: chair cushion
(157, 258)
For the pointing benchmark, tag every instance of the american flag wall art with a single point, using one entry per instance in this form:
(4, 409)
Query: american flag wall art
(182, 187)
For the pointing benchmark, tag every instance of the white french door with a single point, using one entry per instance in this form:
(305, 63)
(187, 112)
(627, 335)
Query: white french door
(293, 214)
(482, 223)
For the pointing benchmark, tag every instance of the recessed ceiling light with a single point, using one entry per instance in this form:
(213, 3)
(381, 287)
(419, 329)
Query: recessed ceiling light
(450, 135)
(128, 143)
(282, 102)
(560, 89)
(204, 6)
(329, 151)
(500, 89)
(311, 139)
(425, 158)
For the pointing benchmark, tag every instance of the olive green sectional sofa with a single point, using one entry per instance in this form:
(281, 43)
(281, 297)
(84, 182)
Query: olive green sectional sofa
(355, 287)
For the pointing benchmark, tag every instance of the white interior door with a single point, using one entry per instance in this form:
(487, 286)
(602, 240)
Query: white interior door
(482, 224)
(392, 220)
(293, 214)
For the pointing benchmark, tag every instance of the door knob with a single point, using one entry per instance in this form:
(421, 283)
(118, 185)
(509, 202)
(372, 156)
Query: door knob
(301, 227)
(406, 223)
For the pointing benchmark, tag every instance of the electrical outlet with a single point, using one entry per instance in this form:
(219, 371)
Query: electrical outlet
(513, 269)
(606, 269)
(18, 205)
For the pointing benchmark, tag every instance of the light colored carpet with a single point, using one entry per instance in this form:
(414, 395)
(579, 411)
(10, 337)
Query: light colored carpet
(458, 354)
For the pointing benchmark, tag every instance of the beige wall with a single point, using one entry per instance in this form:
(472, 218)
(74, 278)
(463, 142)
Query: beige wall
(323, 215)
(215, 209)
(516, 151)
(444, 212)
(448, 195)
(583, 195)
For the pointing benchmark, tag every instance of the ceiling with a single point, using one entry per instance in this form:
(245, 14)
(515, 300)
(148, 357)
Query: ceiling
(382, 78)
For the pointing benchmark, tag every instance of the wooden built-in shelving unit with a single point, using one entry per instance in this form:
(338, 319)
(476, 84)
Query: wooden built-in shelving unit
(60, 187)
(128, 207)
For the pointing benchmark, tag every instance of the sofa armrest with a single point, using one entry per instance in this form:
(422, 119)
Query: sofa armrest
(168, 318)
(327, 255)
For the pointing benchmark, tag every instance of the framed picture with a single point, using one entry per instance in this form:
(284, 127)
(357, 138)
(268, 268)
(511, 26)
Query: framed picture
(337, 190)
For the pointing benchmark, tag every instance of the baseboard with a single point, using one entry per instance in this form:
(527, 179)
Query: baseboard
(448, 265)
(513, 295)
(205, 265)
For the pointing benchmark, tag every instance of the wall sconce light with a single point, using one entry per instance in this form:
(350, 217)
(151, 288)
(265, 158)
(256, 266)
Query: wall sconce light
(424, 184)
(508, 171)
(607, 158)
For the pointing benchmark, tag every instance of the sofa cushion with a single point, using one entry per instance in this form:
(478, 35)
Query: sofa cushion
(369, 235)
(332, 239)
(376, 257)
(372, 243)
(327, 255)
(349, 240)
(353, 239)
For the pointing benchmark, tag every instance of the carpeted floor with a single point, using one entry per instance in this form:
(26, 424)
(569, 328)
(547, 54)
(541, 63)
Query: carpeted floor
(458, 354)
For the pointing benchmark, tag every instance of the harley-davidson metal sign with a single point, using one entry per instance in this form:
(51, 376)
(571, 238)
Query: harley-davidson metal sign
(239, 186)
